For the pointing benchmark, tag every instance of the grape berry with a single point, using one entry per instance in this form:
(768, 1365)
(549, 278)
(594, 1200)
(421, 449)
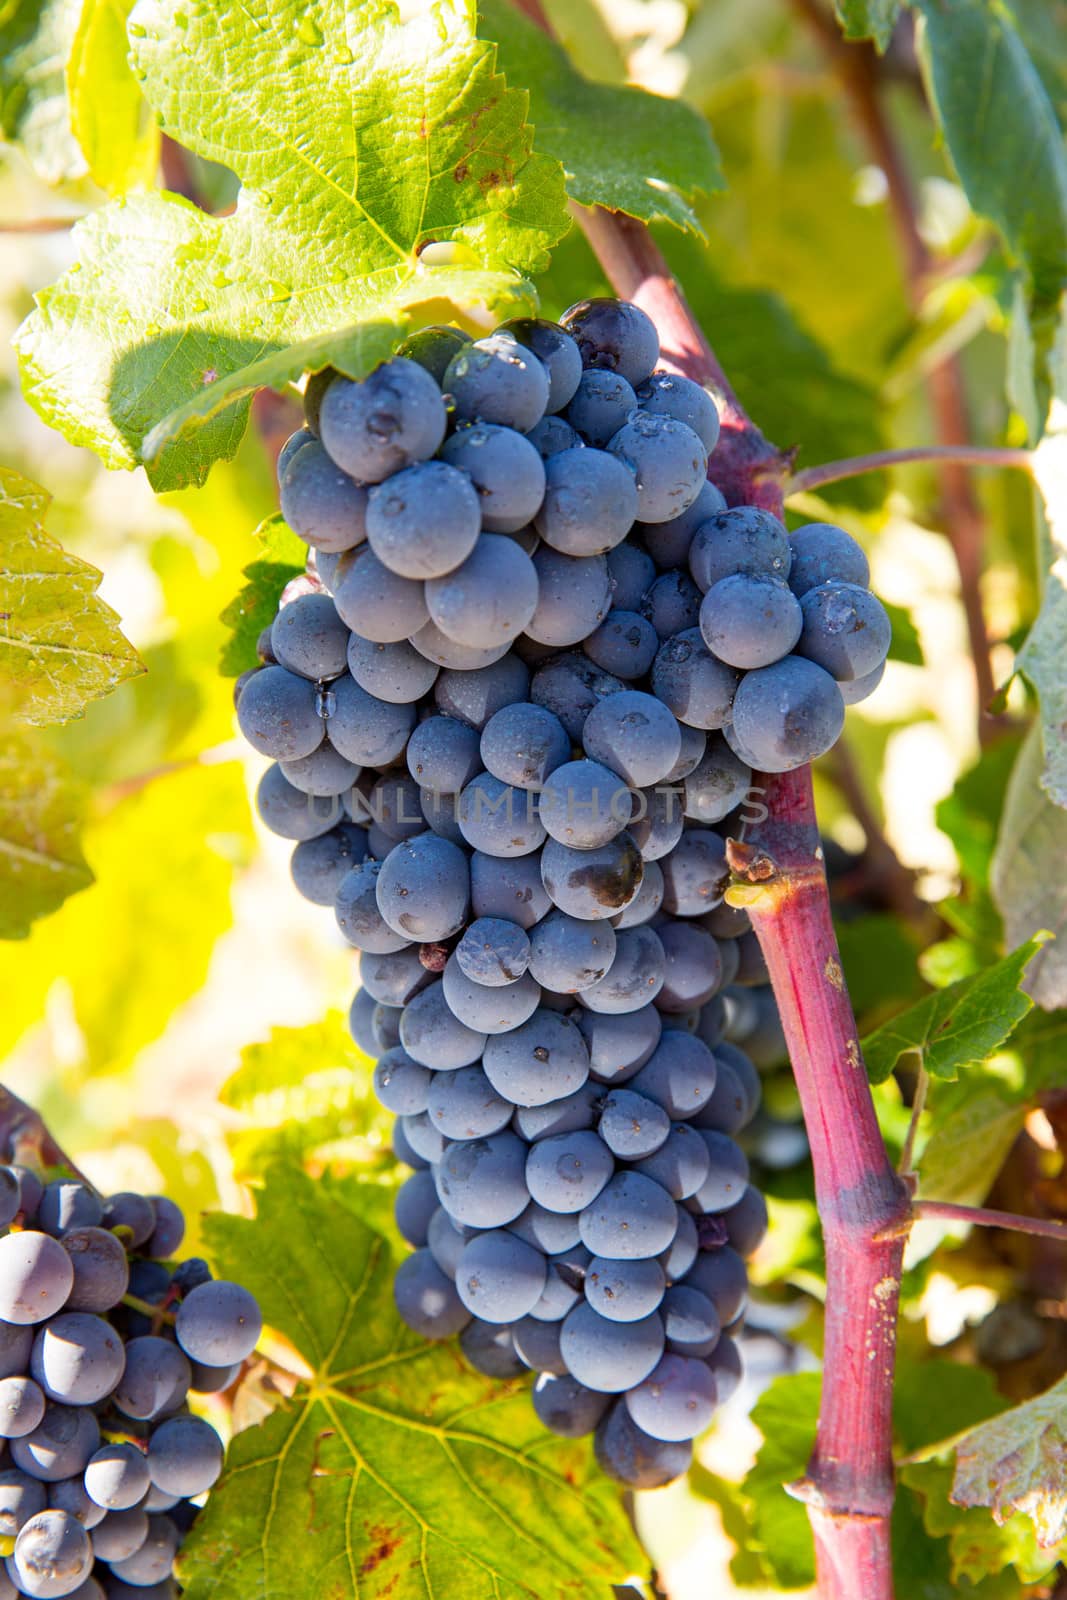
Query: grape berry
(517, 707)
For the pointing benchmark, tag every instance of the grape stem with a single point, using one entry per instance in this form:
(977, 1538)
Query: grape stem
(26, 1141)
(853, 466)
(983, 1216)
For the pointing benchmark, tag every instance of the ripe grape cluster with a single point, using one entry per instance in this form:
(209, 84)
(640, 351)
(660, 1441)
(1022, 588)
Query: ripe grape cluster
(102, 1337)
(514, 712)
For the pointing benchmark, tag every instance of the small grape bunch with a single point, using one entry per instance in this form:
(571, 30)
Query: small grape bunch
(103, 1336)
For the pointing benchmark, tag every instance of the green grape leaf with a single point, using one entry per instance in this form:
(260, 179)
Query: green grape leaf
(1003, 138)
(1029, 890)
(60, 645)
(905, 644)
(868, 19)
(305, 1094)
(1042, 656)
(393, 1470)
(970, 814)
(359, 139)
(108, 114)
(620, 147)
(282, 556)
(933, 1399)
(41, 808)
(970, 1130)
(35, 41)
(786, 1414)
(978, 1547)
(957, 1027)
(1043, 27)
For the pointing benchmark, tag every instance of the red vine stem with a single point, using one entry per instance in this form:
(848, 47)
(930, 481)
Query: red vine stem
(960, 455)
(983, 1216)
(863, 1205)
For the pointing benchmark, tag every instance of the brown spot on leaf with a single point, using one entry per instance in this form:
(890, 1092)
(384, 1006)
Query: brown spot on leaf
(461, 172)
(384, 1541)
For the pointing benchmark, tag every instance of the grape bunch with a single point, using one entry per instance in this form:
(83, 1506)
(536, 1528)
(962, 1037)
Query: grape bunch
(102, 1338)
(514, 711)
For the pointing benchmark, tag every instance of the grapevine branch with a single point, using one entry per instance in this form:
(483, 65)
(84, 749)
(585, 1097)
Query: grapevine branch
(852, 467)
(983, 1216)
(25, 1140)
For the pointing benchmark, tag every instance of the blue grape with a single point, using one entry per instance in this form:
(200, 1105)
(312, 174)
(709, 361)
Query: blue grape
(436, 646)
(746, 1222)
(218, 1324)
(567, 954)
(557, 353)
(489, 1009)
(569, 686)
(101, 1273)
(610, 1356)
(693, 683)
(743, 540)
(720, 1274)
(295, 441)
(668, 394)
(690, 1322)
(415, 1203)
(66, 1204)
(541, 1060)
(823, 553)
(52, 1556)
(537, 1346)
(632, 573)
(668, 543)
(488, 1347)
(321, 503)
(404, 1151)
(624, 1291)
(675, 1401)
(442, 754)
(60, 1446)
(396, 672)
(364, 729)
(22, 1406)
(506, 470)
(498, 1277)
(718, 785)
(424, 521)
(574, 596)
(630, 1219)
(614, 335)
(522, 744)
(657, 822)
(857, 689)
(553, 434)
(433, 348)
(589, 505)
(324, 774)
(632, 1126)
(750, 620)
(401, 1084)
(155, 1379)
(498, 819)
(563, 1284)
(70, 1495)
(683, 1249)
(279, 715)
(474, 696)
(569, 1115)
(846, 630)
(434, 1037)
(787, 714)
(490, 598)
(566, 1171)
(508, 888)
(445, 1241)
(668, 461)
(493, 952)
(357, 913)
(77, 1358)
(584, 804)
(680, 1165)
(184, 1456)
(119, 1535)
(152, 1561)
(592, 884)
(497, 379)
(117, 1477)
(728, 1108)
(385, 1027)
(634, 735)
(625, 1452)
(567, 1407)
(601, 404)
(695, 873)
(464, 1105)
(318, 866)
(21, 1497)
(396, 977)
(308, 637)
(624, 644)
(727, 1172)
(752, 965)
(725, 1367)
(391, 419)
(314, 389)
(482, 1182)
(423, 888)
(647, 903)
(377, 603)
(635, 977)
(553, 1232)
(694, 967)
(680, 1075)
(671, 604)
